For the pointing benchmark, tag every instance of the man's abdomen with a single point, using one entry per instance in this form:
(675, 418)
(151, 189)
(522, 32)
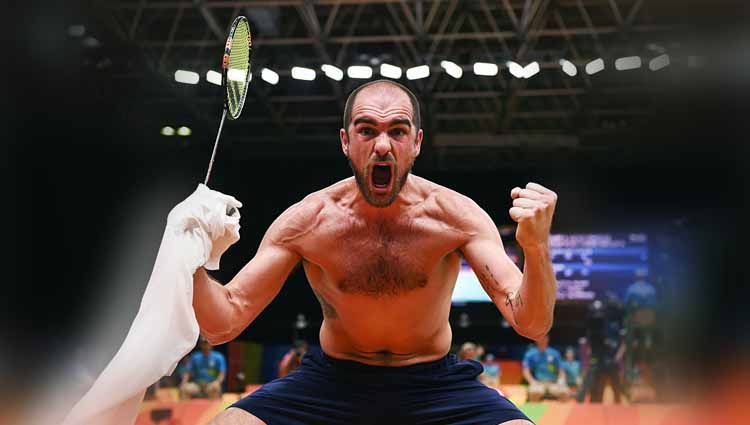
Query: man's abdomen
(388, 332)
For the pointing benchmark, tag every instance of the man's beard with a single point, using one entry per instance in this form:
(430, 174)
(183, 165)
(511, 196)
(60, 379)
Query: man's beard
(372, 199)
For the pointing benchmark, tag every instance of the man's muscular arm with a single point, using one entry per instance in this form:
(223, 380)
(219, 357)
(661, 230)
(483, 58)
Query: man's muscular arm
(527, 299)
(224, 311)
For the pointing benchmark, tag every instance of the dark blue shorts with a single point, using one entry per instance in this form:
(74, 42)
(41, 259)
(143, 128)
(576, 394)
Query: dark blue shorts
(328, 391)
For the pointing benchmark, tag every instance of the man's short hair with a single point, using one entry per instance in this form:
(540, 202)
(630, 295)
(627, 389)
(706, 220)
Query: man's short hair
(353, 95)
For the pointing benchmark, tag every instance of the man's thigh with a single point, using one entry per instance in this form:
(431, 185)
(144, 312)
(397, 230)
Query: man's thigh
(235, 416)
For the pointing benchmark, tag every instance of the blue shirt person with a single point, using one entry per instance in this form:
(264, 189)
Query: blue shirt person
(542, 368)
(640, 293)
(204, 373)
(207, 367)
(572, 368)
(544, 365)
(491, 374)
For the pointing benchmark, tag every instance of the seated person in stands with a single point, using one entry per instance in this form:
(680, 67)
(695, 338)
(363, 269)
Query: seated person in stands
(292, 359)
(572, 368)
(542, 369)
(491, 374)
(204, 374)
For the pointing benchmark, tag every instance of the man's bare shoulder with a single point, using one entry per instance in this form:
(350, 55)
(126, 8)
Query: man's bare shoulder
(302, 218)
(447, 202)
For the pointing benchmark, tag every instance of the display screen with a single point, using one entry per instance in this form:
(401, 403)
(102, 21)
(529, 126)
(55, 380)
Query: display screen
(587, 266)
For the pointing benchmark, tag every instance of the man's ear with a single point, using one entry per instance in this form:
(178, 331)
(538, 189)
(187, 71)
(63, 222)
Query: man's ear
(344, 142)
(418, 143)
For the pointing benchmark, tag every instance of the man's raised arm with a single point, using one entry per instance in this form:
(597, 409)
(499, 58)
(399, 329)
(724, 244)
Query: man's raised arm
(527, 299)
(224, 311)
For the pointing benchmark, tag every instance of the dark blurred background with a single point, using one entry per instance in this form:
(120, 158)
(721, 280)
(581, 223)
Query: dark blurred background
(92, 179)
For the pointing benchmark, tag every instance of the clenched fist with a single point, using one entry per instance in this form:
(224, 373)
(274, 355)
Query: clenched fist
(532, 209)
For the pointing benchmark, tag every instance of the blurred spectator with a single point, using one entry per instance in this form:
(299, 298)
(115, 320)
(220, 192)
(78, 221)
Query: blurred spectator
(468, 351)
(640, 293)
(572, 368)
(491, 374)
(292, 359)
(479, 353)
(204, 374)
(542, 369)
(606, 349)
(642, 335)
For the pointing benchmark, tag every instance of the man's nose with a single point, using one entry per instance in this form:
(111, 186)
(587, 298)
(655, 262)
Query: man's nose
(382, 145)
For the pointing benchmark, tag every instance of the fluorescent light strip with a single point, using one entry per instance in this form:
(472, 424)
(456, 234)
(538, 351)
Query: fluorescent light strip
(418, 72)
(568, 67)
(235, 74)
(390, 71)
(269, 76)
(452, 69)
(213, 77)
(360, 72)
(186, 77)
(531, 69)
(332, 72)
(515, 69)
(595, 66)
(305, 74)
(628, 63)
(659, 62)
(485, 69)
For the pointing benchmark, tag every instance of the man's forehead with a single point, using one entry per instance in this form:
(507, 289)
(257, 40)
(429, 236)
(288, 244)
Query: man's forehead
(383, 98)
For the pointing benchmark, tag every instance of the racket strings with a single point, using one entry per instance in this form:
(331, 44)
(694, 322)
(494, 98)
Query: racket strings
(239, 59)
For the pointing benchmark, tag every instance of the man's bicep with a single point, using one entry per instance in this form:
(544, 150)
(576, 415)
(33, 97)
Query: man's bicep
(263, 276)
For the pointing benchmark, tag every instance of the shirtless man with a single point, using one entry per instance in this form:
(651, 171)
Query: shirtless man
(381, 251)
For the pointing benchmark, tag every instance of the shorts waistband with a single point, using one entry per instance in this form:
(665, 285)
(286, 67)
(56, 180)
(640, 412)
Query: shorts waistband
(317, 355)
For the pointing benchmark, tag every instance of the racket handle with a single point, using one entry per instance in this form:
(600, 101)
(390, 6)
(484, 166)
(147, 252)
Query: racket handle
(216, 145)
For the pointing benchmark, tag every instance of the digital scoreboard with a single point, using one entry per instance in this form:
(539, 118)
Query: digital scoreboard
(587, 266)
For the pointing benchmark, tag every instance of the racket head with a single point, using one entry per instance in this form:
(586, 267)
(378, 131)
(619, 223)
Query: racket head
(236, 66)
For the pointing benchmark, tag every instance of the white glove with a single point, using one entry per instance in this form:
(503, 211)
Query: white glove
(205, 213)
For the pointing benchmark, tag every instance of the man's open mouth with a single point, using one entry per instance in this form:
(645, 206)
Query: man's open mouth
(381, 176)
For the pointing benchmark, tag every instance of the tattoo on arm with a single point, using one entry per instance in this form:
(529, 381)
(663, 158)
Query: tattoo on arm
(514, 301)
(491, 284)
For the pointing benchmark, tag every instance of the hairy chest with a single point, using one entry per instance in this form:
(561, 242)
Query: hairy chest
(380, 259)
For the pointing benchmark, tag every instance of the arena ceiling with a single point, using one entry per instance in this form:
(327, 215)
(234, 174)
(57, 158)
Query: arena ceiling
(467, 116)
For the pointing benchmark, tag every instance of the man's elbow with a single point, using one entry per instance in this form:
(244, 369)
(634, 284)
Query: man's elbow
(218, 338)
(221, 326)
(534, 330)
(218, 333)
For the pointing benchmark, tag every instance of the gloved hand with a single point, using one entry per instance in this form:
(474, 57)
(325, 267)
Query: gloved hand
(204, 212)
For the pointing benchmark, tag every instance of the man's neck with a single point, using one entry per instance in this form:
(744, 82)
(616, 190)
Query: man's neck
(403, 201)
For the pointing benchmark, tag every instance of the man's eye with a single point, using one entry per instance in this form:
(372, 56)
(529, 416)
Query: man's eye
(365, 131)
(398, 132)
